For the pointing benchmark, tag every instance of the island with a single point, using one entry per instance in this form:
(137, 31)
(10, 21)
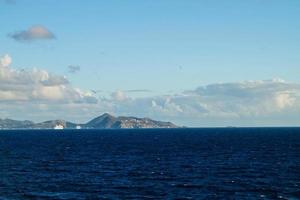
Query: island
(105, 121)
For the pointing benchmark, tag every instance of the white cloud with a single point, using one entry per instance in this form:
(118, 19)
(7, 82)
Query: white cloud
(119, 96)
(250, 97)
(219, 104)
(39, 95)
(5, 61)
(37, 32)
(37, 85)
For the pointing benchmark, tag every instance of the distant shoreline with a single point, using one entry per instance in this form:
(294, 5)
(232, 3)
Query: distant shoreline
(177, 128)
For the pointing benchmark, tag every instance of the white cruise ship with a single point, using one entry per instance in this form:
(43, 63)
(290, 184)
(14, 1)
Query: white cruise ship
(58, 127)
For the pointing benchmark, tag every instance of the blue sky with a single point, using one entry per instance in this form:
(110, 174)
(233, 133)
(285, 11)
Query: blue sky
(164, 46)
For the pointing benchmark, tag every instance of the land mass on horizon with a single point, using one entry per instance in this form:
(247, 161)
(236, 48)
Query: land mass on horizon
(105, 121)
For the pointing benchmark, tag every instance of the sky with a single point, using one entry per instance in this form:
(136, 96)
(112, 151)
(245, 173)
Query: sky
(195, 63)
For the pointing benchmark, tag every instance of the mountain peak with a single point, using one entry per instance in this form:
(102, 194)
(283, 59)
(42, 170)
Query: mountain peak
(106, 115)
(103, 121)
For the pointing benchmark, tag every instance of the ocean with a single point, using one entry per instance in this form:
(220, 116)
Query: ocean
(211, 163)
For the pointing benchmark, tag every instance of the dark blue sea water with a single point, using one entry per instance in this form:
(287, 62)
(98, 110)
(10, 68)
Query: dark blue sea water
(229, 163)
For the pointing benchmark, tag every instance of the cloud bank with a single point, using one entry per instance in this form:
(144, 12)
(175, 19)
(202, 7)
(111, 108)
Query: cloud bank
(38, 95)
(269, 102)
(36, 85)
(33, 33)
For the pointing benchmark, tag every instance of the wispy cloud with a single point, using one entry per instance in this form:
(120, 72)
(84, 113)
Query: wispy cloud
(10, 1)
(139, 91)
(33, 33)
(73, 69)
